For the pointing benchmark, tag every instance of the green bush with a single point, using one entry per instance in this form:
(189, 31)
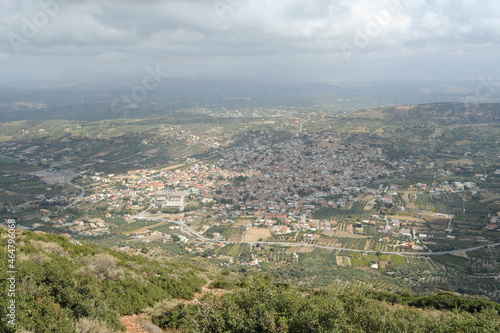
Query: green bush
(61, 283)
(265, 306)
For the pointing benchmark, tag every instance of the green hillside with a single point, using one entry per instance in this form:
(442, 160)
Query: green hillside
(65, 286)
(60, 284)
(266, 306)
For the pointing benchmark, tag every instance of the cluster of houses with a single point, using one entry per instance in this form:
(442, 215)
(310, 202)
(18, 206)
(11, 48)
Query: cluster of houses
(163, 188)
(299, 175)
(396, 228)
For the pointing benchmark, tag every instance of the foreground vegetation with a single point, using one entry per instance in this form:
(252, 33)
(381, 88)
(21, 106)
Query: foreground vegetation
(265, 306)
(61, 286)
(65, 286)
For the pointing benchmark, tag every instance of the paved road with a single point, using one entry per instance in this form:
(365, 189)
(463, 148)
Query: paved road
(203, 238)
(69, 177)
(300, 126)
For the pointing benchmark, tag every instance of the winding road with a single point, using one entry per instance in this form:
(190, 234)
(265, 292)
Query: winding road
(67, 179)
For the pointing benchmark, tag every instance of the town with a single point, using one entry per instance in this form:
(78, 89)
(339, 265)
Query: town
(316, 189)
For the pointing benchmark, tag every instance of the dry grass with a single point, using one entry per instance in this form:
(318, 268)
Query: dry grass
(340, 261)
(235, 238)
(303, 249)
(404, 218)
(462, 161)
(242, 222)
(173, 167)
(51, 247)
(103, 266)
(254, 234)
(162, 308)
(90, 325)
(436, 222)
(340, 233)
(39, 258)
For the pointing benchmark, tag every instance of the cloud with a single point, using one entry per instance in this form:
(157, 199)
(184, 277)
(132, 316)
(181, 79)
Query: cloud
(269, 30)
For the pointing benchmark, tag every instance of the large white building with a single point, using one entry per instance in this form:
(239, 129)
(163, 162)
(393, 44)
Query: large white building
(169, 199)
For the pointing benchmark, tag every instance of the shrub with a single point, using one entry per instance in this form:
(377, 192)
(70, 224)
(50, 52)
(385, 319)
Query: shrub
(51, 247)
(102, 266)
(90, 325)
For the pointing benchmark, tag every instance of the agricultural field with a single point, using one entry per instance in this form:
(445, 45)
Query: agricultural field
(337, 214)
(6, 160)
(234, 250)
(18, 168)
(234, 233)
(220, 229)
(108, 240)
(462, 161)
(346, 242)
(16, 188)
(363, 259)
(243, 221)
(447, 259)
(256, 234)
(341, 233)
(285, 237)
(396, 259)
(279, 255)
(446, 203)
(122, 227)
(330, 268)
(436, 222)
(300, 249)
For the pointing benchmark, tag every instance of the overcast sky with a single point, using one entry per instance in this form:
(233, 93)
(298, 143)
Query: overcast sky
(301, 39)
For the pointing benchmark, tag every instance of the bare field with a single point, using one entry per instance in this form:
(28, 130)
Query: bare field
(489, 196)
(403, 218)
(436, 222)
(347, 261)
(462, 161)
(173, 167)
(254, 234)
(234, 237)
(340, 261)
(162, 216)
(302, 249)
(411, 205)
(329, 242)
(242, 222)
(369, 205)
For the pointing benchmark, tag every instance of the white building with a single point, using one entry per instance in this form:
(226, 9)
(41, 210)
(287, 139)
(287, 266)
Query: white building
(169, 199)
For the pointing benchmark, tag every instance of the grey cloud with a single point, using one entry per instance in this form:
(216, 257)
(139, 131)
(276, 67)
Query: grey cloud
(103, 32)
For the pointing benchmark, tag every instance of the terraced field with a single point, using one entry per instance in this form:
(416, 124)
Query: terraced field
(336, 214)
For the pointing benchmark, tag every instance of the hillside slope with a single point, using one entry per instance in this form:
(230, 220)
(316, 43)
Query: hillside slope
(62, 285)
(65, 286)
(441, 113)
(263, 305)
